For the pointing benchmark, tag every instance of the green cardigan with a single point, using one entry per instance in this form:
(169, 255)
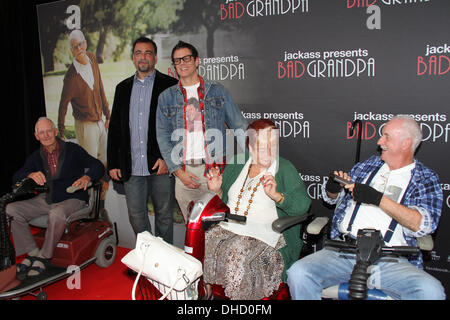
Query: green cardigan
(296, 202)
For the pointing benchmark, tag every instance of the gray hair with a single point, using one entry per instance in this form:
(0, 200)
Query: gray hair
(42, 119)
(76, 34)
(412, 129)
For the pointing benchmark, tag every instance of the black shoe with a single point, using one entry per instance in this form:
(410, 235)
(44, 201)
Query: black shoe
(22, 269)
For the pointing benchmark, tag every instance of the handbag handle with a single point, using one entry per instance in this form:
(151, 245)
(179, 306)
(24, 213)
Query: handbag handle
(180, 274)
(133, 291)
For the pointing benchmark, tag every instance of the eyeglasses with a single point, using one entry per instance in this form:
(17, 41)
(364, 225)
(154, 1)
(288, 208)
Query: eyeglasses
(187, 58)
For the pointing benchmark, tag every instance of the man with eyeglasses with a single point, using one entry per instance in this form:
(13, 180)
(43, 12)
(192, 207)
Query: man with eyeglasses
(83, 89)
(191, 149)
(133, 153)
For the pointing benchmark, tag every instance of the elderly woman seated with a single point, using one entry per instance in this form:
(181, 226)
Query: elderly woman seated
(250, 260)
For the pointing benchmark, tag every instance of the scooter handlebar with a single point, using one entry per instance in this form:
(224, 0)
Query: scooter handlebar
(345, 246)
(342, 245)
(236, 217)
(401, 250)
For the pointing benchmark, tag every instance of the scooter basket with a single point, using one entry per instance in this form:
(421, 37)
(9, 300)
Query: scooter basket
(153, 290)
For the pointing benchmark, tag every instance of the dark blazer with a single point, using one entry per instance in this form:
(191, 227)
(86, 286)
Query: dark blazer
(119, 144)
(72, 162)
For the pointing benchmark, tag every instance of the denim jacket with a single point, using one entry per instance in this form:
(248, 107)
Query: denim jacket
(219, 109)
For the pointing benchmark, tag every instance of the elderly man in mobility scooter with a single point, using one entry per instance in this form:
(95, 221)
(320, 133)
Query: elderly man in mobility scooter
(395, 194)
(60, 165)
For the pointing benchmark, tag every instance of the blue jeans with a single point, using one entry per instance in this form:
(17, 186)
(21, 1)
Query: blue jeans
(325, 268)
(161, 189)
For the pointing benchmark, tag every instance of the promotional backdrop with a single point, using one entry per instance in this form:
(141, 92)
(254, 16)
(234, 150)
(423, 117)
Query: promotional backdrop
(312, 66)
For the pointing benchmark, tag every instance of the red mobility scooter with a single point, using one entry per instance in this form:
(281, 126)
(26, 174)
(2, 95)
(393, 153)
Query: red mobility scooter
(203, 214)
(89, 237)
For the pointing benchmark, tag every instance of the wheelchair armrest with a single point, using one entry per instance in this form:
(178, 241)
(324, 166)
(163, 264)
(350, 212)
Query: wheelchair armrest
(283, 223)
(316, 226)
(425, 243)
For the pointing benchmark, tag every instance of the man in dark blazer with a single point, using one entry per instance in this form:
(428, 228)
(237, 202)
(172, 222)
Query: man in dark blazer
(133, 152)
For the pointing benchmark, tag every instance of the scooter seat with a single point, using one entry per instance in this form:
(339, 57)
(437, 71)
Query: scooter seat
(42, 221)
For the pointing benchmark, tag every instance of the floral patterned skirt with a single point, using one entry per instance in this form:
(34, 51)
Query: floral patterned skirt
(247, 268)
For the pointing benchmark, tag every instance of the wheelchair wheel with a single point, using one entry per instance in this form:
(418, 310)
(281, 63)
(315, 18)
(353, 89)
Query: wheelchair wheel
(106, 252)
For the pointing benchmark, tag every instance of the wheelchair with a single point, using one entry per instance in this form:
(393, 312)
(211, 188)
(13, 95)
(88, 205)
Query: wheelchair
(368, 249)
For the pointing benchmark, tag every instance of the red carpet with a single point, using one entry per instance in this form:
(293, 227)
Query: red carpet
(112, 283)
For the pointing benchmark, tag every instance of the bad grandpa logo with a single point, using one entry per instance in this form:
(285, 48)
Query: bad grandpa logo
(327, 64)
(236, 9)
(434, 126)
(290, 124)
(222, 68)
(368, 3)
(435, 61)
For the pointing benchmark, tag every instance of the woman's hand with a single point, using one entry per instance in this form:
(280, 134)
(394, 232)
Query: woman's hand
(270, 187)
(214, 180)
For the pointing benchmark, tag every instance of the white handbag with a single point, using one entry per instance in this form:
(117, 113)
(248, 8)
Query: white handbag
(168, 268)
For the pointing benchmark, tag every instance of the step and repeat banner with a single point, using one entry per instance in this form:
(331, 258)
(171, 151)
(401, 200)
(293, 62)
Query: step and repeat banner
(314, 67)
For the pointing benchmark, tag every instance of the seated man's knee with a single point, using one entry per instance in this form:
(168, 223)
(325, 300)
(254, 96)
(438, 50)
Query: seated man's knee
(17, 213)
(11, 210)
(297, 272)
(425, 288)
(56, 217)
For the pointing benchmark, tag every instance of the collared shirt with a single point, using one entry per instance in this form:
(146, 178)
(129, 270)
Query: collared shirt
(52, 159)
(423, 194)
(85, 71)
(141, 95)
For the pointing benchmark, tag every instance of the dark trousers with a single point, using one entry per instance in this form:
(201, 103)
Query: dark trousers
(161, 189)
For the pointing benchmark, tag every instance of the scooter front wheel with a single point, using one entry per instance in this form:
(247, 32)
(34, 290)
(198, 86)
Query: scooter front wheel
(106, 252)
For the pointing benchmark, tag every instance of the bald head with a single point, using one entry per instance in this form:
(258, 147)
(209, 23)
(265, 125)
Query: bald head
(46, 132)
(41, 120)
(399, 140)
(410, 129)
(76, 35)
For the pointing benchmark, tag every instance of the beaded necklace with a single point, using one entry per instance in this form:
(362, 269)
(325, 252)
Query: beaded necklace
(241, 191)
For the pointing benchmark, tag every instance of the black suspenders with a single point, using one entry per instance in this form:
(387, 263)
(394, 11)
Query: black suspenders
(388, 235)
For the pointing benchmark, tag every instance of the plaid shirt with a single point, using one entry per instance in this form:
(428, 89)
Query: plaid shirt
(422, 194)
(52, 158)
